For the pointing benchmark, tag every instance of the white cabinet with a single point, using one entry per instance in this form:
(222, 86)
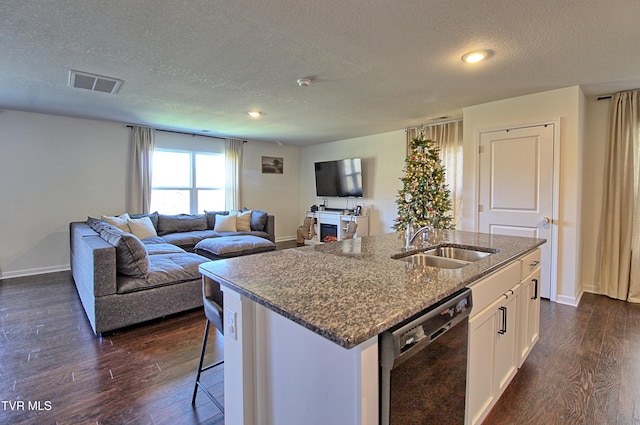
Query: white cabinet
(503, 328)
(335, 223)
(493, 339)
(529, 304)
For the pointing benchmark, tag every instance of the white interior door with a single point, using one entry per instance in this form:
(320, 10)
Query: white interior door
(516, 187)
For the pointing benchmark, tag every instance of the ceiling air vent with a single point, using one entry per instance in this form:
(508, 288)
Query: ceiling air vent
(84, 80)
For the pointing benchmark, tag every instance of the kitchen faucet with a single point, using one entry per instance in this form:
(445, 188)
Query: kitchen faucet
(424, 231)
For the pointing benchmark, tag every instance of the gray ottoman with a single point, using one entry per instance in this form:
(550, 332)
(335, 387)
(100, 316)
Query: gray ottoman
(233, 246)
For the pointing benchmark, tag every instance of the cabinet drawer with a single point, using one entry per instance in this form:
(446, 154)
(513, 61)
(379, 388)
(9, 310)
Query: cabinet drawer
(530, 262)
(487, 290)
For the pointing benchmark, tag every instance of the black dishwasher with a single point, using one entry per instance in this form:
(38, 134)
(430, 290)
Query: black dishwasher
(423, 365)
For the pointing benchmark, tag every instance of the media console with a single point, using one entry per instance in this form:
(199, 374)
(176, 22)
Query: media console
(334, 223)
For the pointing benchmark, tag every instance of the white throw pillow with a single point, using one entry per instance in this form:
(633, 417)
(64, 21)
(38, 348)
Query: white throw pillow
(243, 221)
(142, 227)
(119, 221)
(225, 223)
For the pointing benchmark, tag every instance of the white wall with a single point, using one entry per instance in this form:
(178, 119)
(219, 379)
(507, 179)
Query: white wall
(568, 105)
(54, 170)
(383, 161)
(279, 194)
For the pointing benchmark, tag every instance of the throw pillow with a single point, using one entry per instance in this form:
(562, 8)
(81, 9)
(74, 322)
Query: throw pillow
(142, 227)
(258, 220)
(225, 223)
(119, 221)
(153, 216)
(211, 217)
(131, 255)
(243, 221)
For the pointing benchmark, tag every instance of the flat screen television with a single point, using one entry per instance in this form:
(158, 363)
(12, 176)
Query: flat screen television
(341, 178)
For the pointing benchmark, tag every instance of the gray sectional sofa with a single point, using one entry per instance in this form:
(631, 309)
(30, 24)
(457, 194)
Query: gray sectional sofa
(123, 279)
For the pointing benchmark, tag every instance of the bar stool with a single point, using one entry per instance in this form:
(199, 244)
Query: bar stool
(212, 299)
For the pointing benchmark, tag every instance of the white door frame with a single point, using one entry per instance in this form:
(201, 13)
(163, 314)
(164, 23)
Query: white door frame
(555, 219)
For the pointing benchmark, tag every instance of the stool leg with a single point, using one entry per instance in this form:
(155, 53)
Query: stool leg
(204, 347)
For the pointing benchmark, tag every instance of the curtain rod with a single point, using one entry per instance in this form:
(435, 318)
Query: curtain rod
(435, 123)
(609, 96)
(188, 134)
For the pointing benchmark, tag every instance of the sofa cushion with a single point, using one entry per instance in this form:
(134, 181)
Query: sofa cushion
(142, 227)
(233, 246)
(131, 254)
(211, 217)
(180, 223)
(243, 221)
(225, 223)
(162, 248)
(188, 239)
(164, 269)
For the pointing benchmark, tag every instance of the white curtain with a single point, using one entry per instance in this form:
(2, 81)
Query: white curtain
(448, 136)
(618, 271)
(233, 164)
(142, 142)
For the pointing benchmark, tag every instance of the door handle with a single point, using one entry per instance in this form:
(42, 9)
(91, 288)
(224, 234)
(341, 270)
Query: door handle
(535, 291)
(544, 221)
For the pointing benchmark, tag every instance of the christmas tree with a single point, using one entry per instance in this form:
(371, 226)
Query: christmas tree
(424, 198)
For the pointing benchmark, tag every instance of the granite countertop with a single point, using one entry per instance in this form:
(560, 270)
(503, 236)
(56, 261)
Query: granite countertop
(352, 290)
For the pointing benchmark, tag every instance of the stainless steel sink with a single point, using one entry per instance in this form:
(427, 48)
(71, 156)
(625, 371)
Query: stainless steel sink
(425, 259)
(457, 253)
(446, 256)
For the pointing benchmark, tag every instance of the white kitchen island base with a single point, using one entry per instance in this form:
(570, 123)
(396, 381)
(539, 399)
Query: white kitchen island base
(285, 374)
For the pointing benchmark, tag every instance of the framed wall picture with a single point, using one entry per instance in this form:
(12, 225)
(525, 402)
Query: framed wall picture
(272, 165)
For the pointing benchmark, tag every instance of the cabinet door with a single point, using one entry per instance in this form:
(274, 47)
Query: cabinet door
(530, 314)
(483, 328)
(506, 358)
(493, 359)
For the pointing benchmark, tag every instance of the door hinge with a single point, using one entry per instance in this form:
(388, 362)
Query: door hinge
(480, 149)
(480, 208)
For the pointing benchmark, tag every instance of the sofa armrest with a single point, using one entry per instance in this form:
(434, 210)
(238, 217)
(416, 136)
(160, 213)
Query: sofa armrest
(270, 227)
(93, 261)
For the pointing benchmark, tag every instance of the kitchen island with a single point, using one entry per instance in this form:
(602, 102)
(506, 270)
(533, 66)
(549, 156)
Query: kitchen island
(301, 325)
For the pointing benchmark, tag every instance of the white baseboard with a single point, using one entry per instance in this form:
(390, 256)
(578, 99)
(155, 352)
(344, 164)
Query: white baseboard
(36, 271)
(286, 238)
(572, 301)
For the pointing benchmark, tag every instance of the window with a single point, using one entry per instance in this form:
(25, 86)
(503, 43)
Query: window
(187, 181)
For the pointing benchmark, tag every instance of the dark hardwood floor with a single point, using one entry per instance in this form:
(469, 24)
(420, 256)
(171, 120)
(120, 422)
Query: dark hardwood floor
(51, 361)
(584, 370)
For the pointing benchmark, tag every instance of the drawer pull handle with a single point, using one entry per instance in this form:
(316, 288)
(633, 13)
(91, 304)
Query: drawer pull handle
(534, 264)
(504, 321)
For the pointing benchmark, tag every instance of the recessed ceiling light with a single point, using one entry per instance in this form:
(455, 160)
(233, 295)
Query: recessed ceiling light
(476, 56)
(255, 114)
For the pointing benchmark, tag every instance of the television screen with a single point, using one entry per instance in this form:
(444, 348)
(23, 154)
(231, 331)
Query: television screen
(341, 178)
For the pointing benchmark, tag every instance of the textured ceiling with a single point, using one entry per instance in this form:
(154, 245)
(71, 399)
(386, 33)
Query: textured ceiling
(376, 65)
